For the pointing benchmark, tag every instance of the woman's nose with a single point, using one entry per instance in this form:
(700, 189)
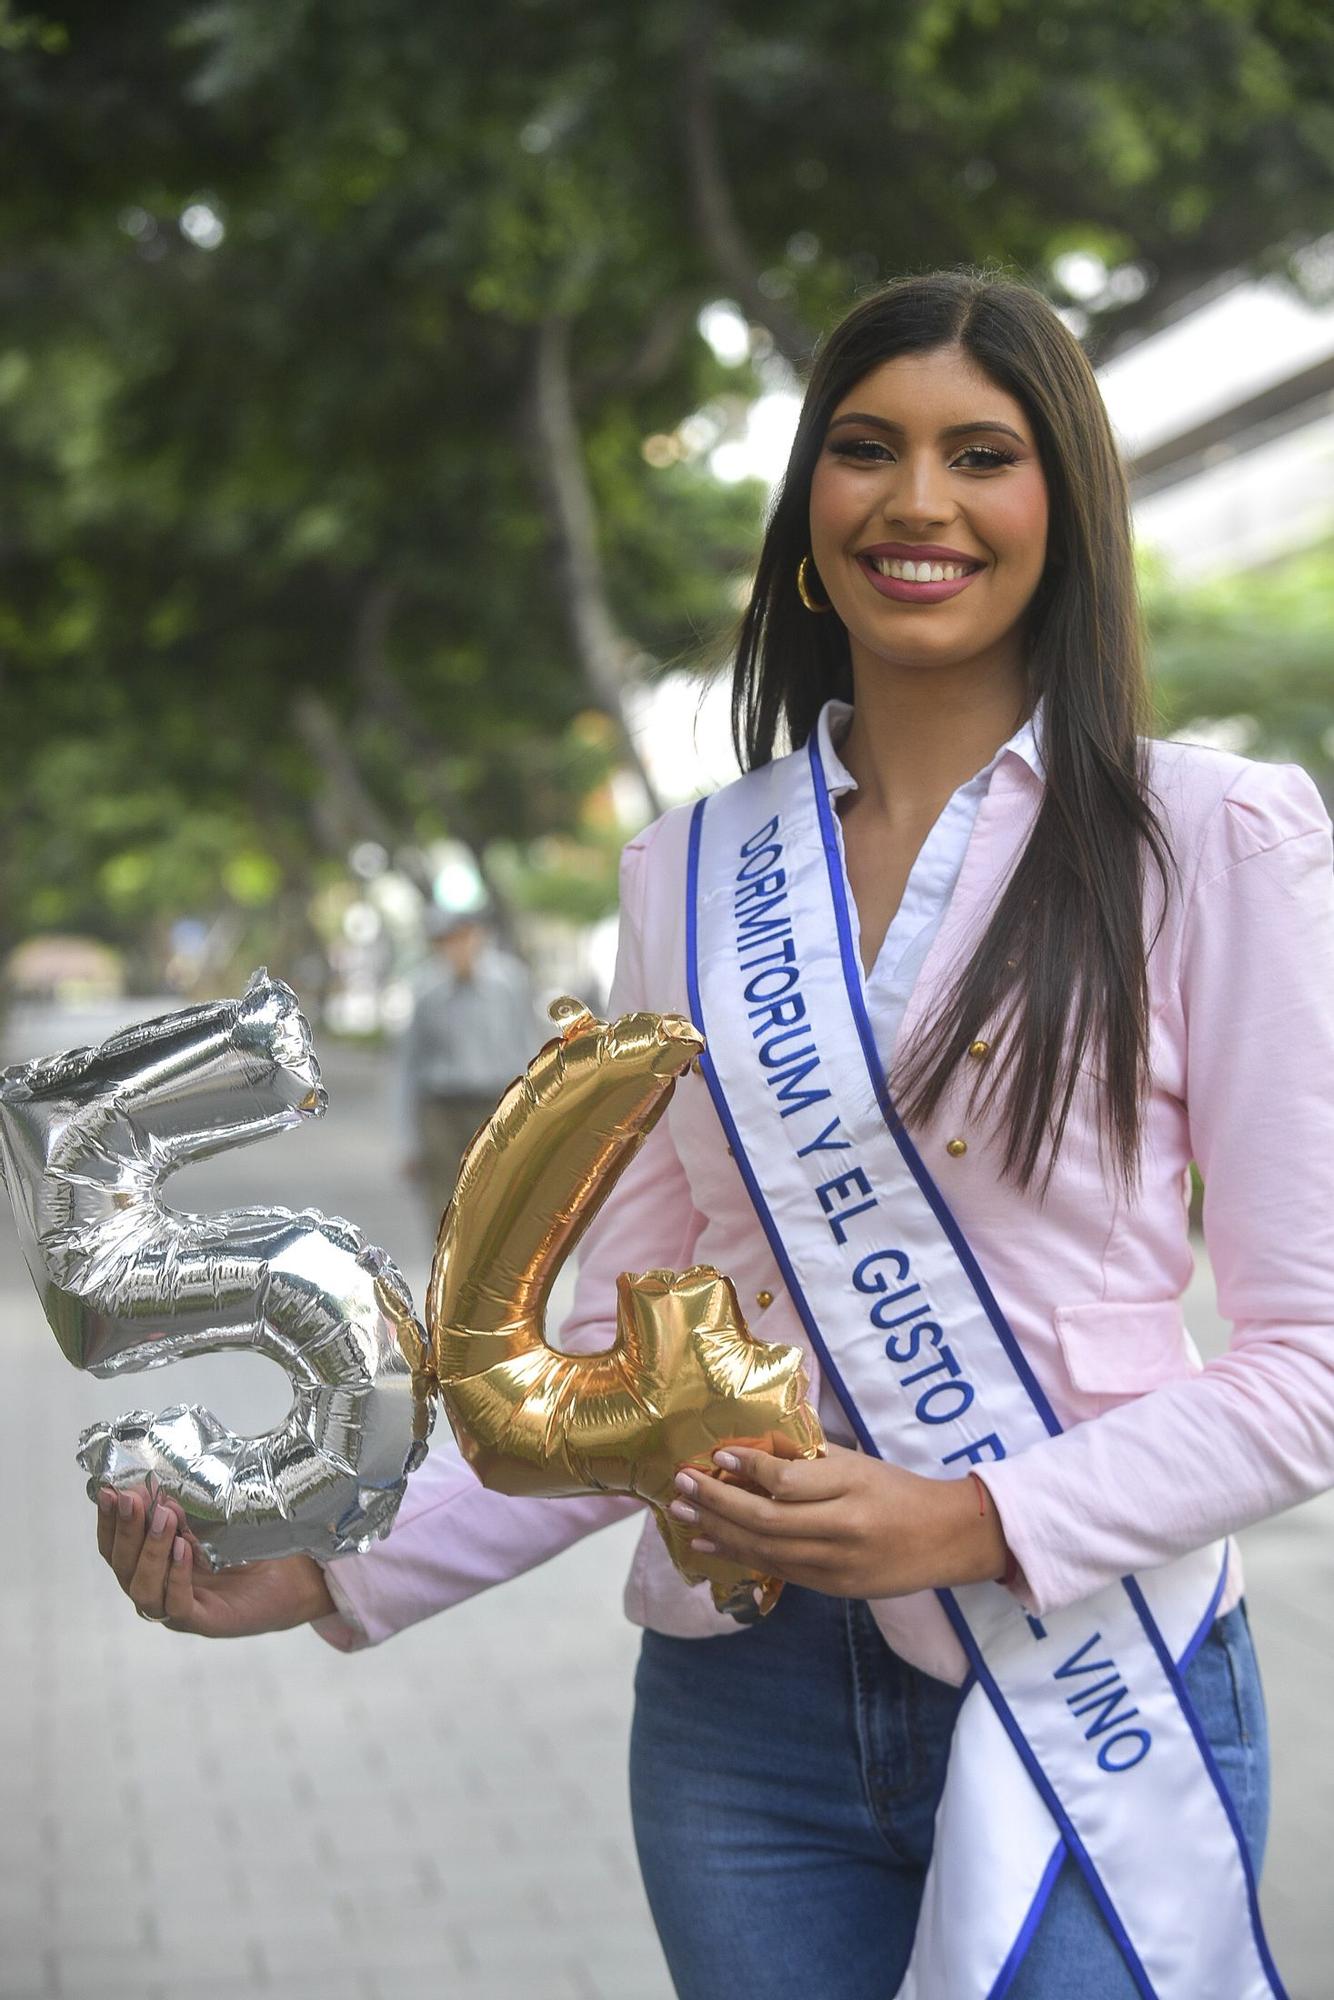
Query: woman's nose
(917, 497)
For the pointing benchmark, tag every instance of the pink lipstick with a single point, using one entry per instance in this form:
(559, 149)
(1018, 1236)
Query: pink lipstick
(915, 593)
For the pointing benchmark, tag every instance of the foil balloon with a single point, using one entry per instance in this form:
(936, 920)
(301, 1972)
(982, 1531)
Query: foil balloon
(685, 1375)
(87, 1139)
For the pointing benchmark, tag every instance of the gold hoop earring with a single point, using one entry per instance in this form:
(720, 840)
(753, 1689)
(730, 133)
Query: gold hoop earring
(803, 588)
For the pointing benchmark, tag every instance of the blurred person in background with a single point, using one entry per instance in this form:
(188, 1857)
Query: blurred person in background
(473, 1029)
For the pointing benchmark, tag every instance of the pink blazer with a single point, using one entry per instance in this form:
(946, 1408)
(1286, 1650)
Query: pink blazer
(1160, 1454)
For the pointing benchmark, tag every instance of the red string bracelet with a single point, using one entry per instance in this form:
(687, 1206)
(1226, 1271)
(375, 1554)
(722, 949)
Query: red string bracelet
(1010, 1575)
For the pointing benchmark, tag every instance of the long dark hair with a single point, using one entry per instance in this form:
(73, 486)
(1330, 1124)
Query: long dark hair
(1058, 982)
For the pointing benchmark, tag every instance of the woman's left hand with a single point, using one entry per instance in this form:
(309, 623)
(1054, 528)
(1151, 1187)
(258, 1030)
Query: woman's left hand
(847, 1524)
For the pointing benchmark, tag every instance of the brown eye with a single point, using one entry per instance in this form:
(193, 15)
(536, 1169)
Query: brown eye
(990, 452)
(857, 448)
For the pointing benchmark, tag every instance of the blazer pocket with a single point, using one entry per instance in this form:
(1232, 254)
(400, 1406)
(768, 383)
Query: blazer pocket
(1117, 1349)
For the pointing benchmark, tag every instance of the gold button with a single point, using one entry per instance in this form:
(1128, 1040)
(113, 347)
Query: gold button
(955, 1147)
(763, 1300)
(979, 1049)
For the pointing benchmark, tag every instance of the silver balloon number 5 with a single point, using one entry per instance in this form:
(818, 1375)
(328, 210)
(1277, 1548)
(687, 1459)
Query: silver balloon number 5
(87, 1139)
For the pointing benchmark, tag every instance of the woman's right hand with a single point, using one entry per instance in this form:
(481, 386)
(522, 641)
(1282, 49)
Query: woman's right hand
(159, 1566)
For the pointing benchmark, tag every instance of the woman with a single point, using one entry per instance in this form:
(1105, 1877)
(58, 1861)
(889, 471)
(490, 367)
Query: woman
(1085, 959)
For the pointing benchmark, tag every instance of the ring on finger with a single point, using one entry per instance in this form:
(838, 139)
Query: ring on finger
(153, 1617)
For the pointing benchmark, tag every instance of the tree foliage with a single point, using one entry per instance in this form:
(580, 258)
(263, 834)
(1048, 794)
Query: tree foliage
(1244, 661)
(331, 336)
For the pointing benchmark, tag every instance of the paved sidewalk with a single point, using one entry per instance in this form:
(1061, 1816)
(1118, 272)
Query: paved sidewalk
(443, 1816)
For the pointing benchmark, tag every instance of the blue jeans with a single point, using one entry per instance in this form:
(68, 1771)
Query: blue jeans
(784, 1783)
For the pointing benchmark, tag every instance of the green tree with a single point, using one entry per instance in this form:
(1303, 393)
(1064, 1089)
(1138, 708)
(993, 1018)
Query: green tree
(1248, 658)
(332, 334)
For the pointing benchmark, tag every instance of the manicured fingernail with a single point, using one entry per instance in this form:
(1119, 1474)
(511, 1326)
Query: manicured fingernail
(125, 1506)
(705, 1548)
(727, 1461)
(685, 1484)
(679, 1511)
(161, 1516)
(106, 1500)
(178, 1549)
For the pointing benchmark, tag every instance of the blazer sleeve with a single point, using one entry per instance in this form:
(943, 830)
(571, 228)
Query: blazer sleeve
(1253, 1433)
(452, 1537)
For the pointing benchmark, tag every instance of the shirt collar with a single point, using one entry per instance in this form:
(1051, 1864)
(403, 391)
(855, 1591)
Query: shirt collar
(832, 725)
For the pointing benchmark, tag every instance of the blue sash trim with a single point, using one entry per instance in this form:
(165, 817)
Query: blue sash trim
(1201, 1632)
(852, 974)
(742, 1159)
(1005, 1978)
(1169, 1667)
(1009, 1971)
(1046, 1791)
(932, 1194)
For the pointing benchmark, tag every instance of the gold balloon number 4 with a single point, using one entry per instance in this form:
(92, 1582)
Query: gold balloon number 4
(685, 1375)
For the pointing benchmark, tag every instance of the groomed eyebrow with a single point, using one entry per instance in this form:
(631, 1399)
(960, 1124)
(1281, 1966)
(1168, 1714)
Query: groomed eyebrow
(950, 430)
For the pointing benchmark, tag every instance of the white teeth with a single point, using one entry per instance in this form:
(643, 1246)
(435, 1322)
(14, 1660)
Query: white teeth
(922, 572)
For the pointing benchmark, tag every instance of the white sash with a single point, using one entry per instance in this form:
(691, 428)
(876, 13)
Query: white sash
(1076, 1732)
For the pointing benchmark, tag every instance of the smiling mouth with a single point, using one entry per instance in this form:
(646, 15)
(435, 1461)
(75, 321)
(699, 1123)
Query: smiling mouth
(928, 570)
(887, 577)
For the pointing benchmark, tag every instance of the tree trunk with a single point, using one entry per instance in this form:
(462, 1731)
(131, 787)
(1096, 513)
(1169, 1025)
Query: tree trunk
(715, 209)
(604, 652)
(344, 811)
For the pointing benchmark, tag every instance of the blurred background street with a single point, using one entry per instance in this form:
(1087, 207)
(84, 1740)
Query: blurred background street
(444, 1816)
